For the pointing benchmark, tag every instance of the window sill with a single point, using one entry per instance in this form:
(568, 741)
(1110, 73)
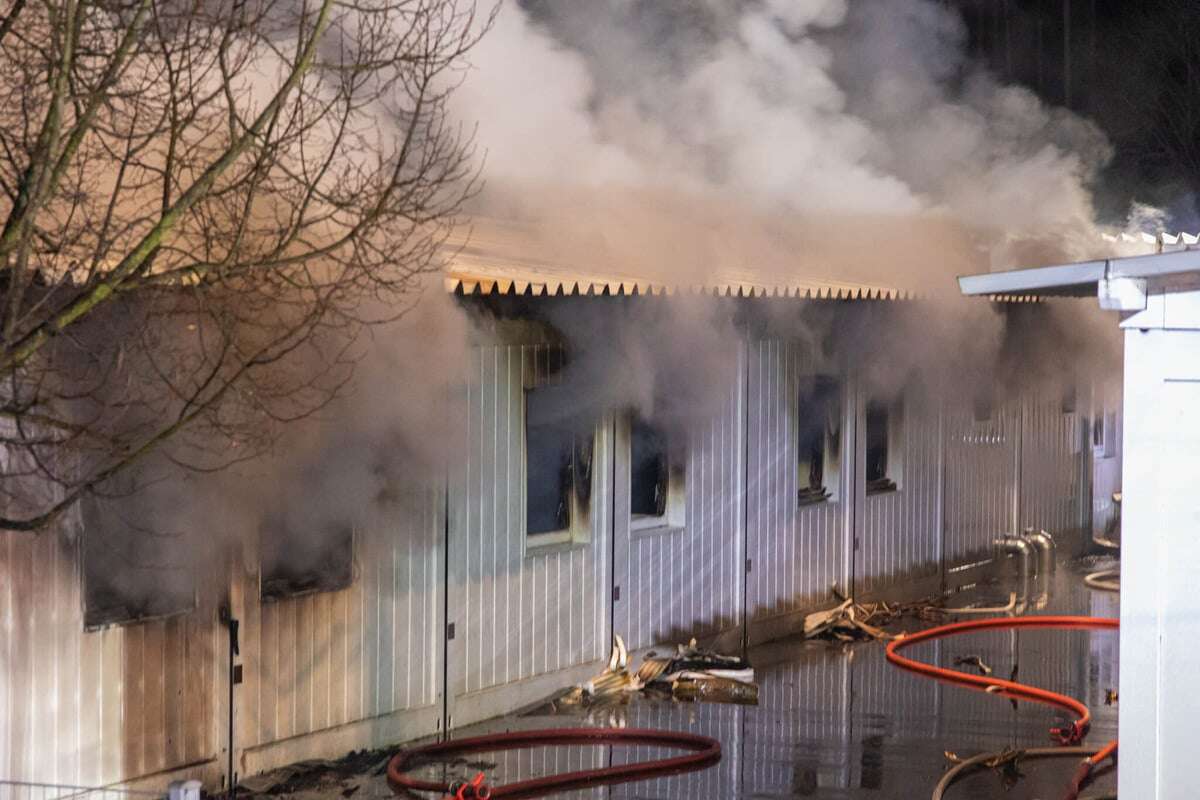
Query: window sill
(824, 501)
(535, 550)
(666, 529)
(97, 626)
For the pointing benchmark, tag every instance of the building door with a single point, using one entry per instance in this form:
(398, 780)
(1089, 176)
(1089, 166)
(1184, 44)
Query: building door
(799, 486)
(679, 521)
(529, 538)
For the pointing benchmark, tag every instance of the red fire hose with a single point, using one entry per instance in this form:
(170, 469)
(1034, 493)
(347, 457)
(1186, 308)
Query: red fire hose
(703, 752)
(1071, 734)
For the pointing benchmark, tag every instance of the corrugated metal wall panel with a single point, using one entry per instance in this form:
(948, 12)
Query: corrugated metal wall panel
(683, 582)
(899, 534)
(797, 552)
(519, 614)
(980, 479)
(320, 660)
(1053, 467)
(97, 707)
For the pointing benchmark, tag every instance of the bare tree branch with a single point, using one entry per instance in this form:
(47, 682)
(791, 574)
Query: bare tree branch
(202, 205)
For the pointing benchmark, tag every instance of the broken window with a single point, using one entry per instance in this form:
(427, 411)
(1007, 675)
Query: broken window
(558, 467)
(298, 558)
(1069, 399)
(983, 405)
(818, 445)
(136, 563)
(649, 479)
(883, 457)
(656, 477)
(1104, 433)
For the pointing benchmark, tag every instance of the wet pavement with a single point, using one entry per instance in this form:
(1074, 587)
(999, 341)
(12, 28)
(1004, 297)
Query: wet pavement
(837, 721)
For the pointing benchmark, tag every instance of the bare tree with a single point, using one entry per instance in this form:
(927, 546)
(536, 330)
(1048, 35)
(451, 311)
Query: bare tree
(204, 202)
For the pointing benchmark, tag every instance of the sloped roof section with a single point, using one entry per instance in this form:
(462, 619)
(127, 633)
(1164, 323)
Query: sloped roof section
(502, 260)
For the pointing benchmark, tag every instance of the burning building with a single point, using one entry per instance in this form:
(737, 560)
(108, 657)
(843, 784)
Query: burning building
(808, 459)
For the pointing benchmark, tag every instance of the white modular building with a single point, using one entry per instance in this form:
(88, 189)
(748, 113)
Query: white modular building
(506, 580)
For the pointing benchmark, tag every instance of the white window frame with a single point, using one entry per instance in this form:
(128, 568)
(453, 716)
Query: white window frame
(579, 531)
(674, 516)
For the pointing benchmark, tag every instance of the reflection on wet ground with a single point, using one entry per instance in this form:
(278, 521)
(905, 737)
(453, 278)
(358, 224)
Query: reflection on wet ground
(837, 721)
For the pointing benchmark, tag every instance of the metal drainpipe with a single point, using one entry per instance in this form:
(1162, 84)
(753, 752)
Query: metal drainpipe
(744, 423)
(1013, 545)
(1018, 447)
(231, 623)
(852, 485)
(1044, 544)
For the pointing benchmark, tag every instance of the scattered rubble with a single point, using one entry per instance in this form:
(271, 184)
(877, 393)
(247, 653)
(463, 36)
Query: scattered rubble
(690, 673)
(345, 776)
(851, 621)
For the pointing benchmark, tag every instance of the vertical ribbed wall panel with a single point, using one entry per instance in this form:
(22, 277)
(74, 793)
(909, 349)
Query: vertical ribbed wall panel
(96, 707)
(797, 552)
(899, 534)
(980, 476)
(686, 581)
(320, 660)
(518, 613)
(1053, 469)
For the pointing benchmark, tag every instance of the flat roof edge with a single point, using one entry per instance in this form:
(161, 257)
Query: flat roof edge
(1080, 275)
(1020, 281)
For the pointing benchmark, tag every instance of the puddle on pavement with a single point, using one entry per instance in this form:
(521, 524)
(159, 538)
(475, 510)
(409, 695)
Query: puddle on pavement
(837, 721)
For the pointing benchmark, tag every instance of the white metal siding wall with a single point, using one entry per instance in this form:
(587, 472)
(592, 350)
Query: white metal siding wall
(321, 660)
(796, 552)
(93, 708)
(678, 583)
(980, 480)
(1054, 479)
(518, 615)
(899, 534)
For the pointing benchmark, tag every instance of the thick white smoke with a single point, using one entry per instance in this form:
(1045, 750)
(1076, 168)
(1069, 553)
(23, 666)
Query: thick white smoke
(827, 111)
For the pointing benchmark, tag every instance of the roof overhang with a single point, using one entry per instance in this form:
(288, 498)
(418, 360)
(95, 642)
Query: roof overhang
(1120, 284)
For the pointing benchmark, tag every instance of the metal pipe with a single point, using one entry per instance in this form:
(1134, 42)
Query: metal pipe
(1044, 543)
(1015, 545)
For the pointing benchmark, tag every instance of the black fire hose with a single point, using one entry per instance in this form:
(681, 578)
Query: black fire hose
(702, 752)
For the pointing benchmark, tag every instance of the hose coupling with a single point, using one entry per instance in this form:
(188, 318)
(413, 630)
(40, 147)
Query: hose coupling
(1072, 734)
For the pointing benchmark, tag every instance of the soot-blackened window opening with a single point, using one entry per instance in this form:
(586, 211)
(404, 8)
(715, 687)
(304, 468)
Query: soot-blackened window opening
(983, 405)
(818, 439)
(298, 558)
(137, 563)
(882, 458)
(558, 462)
(649, 480)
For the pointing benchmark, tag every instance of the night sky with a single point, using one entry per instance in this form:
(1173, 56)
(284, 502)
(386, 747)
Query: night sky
(1131, 67)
